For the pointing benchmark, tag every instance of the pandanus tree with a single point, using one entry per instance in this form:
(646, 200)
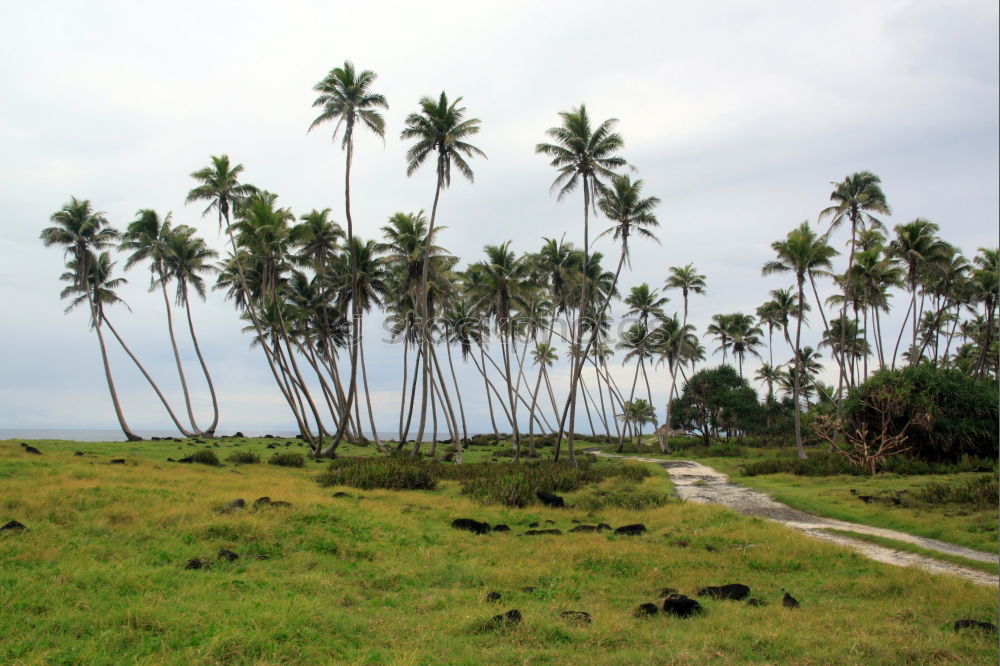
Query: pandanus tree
(800, 253)
(82, 231)
(584, 157)
(441, 129)
(346, 99)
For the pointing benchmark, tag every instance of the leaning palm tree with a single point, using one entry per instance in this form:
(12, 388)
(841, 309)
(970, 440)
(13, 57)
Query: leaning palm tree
(147, 238)
(187, 258)
(801, 252)
(346, 98)
(439, 128)
(916, 245)
(584, 157)
(84, 231)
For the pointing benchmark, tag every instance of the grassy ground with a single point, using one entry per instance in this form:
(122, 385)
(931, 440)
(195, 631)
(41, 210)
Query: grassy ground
(831, 496)
(381, 577)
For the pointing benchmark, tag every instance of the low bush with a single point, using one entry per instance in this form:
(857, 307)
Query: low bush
(828, 464)
(980, 493)
(724, 450)
(287, 460)
(635, 501)
(400, 472)
(244, 458)
(205, 457)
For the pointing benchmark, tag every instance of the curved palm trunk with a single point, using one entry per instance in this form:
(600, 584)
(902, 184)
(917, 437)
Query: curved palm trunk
(210, 431)
(461, 409)
(799, 448)
(577, 366)
(368, 396)
(631, 397)
(446, 408)
(173, 417)
(177, 357)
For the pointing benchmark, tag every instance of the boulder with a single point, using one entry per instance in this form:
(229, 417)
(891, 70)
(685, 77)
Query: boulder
(508, 619)
(646, 610)
(236, 504)
(988, 627)
(227, 555)
(13, 525)
(194, 563)
(604, 527)
(261, 501)
(501, 528)
(493, 597)
(788, 601)
(548, 499)
(117, 461)
(580, 617)
(471, 525)
(681, 606)
(631, 530)
(734, 591)
(536, 532)
(584, 528)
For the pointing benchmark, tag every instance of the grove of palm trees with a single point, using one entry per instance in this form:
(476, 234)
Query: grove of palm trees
(304, 285)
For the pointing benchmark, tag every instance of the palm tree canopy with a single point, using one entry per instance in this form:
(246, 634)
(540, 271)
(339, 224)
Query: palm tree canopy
(802, 252)
(186, 259)
(99, 282)
(443, 128)
(219, 185)
(345, 97)
(578, 150)
(687, 279)
(83, 231)
(855, 198)
(632, 214)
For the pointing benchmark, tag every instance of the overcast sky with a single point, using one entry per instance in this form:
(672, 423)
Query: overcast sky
(738, 115)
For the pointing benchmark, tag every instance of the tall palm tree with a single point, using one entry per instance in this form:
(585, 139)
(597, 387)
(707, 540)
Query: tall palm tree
(584, 156)
(744, 336)
(855, 199)
(439, 128)
(768, 374)
(689, 281)
(916, 245)
(801, 252)
(346, 98)
(147, 238)
(82, 231)
(187, 258)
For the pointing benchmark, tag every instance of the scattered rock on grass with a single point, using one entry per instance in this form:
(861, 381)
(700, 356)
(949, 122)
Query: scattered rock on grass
(681, 606)
(581, 617)
(117, 461)
(227, 555)
(508, 619)
(280, 504)
(471, 525)
(756, 602)
(13, 525)
(538, 532)
(646, 610)
(548, 499)
(734, 591)
(788, 601)
(78, 453)
(31, 449)
(975, 624)
(603, 527)
(261, 501)
(501, 528)
(534, 524)
(584, 528)
(631, 530)
(341, 493)
(238, 503)
(493, 597)
(194, 563)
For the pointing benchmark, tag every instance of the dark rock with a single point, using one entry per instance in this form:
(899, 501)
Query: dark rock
(268, 437)
(194, 563)
(631, 530)
(528, 589)
(584, 528)
(710, 548)
(239, 435)
(117, 461)
(548, 499)
(680, 544)
(508, 619)
(550, 522)
(788, 601)
(471, 525)
(582, 617)
(227, 555)
(853, 491)
(78, 453)
(272, 446)
(171, 460)
(646, 610)
(536, 532)
(13, 525)
(31, 449)
(666, 592)
(493, 596)
(341, 493)
(238, 503)
(733, 591)
(185, 460)
(866, 498)
(534, 524)
(975, 624)
(261, 501)
(604, 527)
(756, 602)
(896, 501)
(681, 606)
(501, 528)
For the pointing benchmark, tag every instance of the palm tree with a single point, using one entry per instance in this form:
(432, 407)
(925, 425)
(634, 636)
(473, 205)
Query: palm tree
(745, 337)
(644, 302)
(584, 157)
(916, 245)
(855, 199)
(345, 96)
(84, 231)
(641, 346)
(801, 252)
(187, 257)
(768, 374)
(318, 239)
(441, 128)
(637, 413)
(689, 281)
(220, 186)
(147, 238)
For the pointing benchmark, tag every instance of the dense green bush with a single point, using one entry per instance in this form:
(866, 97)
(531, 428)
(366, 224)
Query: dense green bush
(828, 464)
(205, 457)
(980, 493)
(287, 460)
(399, 472)
(949, 413)
(244, 458)
(716, 400)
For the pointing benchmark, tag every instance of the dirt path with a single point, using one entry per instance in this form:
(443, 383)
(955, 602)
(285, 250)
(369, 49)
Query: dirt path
(698, 483)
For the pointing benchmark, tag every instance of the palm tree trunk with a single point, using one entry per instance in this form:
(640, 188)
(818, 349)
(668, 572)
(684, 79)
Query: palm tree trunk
(210, 431)
(799, 448)
(413, 398)
(901, 330)
(173, 417)
(577, 366)
(425, 315)
(486, 384)
(368, 395)
(446, 407)
(631, 397)
(402, 393)
(177, 357)
(461, 408)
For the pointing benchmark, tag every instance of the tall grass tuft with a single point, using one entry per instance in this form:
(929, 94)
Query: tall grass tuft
(287, 460)
(244, 458)
(980, 493)
(205, 457)
(392, 473)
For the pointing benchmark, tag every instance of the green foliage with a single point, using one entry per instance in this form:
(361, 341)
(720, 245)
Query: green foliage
(287, 460)
(827, 464)
(392, 473)
(244, 458)
(949, 412)
(713, 400)
(979, 493)
(205, 457)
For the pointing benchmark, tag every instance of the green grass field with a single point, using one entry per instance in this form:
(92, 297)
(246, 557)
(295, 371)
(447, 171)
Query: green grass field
(381, 577)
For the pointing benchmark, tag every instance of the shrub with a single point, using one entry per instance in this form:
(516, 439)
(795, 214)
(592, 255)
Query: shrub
(205, 457)
(392, 473)
(287, 460)
(826, 464)
(635, 501)
(980, 493)
(244, 458)
(724, 450)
